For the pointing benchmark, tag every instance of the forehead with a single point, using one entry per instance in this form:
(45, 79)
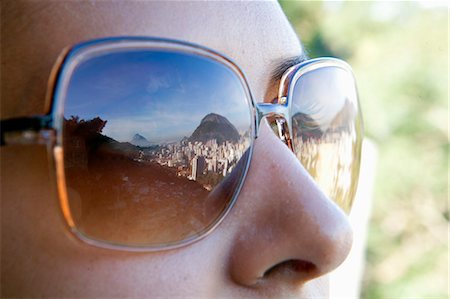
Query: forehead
(256, 35)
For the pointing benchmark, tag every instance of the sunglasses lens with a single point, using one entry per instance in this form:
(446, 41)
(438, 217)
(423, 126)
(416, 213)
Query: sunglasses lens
(156, 145)
(327, 130)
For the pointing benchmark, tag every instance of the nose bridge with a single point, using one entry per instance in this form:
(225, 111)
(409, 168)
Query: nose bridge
(270, 110)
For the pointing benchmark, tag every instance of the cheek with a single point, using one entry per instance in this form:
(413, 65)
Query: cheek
(177, 273)
(317, 288)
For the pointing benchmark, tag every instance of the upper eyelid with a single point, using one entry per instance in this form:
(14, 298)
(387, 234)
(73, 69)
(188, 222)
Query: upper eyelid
(282, 66)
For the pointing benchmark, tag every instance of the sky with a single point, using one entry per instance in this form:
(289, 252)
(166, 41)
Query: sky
(160, 95)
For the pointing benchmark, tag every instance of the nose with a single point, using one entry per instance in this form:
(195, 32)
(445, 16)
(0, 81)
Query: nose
(289, 230)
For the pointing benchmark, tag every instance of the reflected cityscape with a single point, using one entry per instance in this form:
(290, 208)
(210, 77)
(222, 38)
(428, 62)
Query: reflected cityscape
(204, 162)
(207, 156)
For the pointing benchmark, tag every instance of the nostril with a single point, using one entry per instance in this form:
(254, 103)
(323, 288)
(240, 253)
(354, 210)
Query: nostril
(292, 266)
(304, 266)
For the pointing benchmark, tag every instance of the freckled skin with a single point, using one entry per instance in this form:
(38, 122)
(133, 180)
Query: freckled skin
(280, 214)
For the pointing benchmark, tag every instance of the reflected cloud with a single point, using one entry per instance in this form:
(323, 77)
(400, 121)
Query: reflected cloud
(157, 94)
(156, 83)
(323, 97)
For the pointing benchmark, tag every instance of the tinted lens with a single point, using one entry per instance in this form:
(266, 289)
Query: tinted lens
(327, 130)
(156, 144)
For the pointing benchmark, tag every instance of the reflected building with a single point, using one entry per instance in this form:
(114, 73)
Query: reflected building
(195, 160)
(207, 156)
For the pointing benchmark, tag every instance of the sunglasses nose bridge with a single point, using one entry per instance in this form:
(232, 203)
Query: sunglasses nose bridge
(267, 110)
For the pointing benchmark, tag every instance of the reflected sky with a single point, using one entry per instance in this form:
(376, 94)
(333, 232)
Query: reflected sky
(158, 94)
(323, 95)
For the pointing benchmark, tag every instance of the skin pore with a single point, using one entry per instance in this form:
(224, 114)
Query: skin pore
(281, 238)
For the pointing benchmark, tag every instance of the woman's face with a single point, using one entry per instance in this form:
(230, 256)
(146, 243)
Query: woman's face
(280, 239)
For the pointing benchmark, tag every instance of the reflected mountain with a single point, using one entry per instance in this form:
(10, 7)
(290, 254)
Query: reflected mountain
(215, 126)
(140, 141)
(306, 127)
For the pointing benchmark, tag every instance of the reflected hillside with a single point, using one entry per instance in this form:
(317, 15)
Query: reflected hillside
(160, 190)
(215, 127)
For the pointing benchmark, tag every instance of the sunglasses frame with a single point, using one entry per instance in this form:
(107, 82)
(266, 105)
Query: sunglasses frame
(47, 129)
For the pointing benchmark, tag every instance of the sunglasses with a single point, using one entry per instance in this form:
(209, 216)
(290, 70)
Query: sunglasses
(152, 138)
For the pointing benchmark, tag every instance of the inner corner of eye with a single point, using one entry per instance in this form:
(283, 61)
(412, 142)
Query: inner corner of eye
(271, 94)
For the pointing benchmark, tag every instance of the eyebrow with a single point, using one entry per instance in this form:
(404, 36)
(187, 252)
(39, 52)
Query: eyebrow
(282, 66)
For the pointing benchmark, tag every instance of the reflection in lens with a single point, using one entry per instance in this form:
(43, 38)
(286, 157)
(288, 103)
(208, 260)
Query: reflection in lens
(327, 131)
(155, 145)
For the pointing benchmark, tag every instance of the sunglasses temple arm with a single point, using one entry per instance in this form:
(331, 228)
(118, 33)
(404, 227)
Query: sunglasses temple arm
(27, 130)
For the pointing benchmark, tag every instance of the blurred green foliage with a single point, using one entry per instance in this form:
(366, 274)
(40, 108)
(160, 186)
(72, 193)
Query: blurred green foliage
(400, 56)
